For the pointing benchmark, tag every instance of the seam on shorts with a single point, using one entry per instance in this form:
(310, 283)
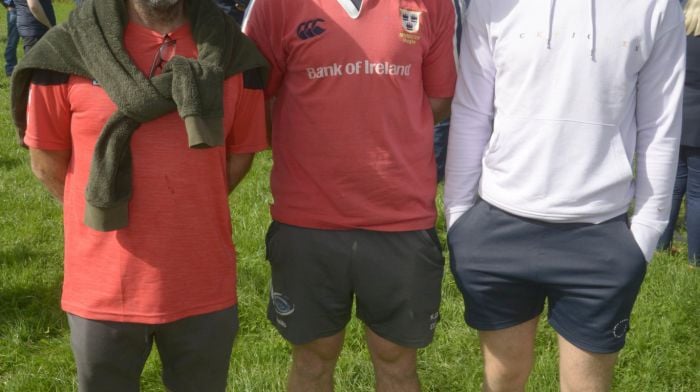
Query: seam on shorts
(501, 325)
(583, 343)
(298, 342)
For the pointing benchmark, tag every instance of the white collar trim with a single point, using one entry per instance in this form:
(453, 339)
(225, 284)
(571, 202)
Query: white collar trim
(350, 8)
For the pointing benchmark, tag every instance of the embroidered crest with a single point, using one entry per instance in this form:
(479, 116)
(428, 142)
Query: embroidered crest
(410, 20)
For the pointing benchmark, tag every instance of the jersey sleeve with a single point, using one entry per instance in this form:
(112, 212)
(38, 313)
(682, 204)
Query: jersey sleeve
(262, 26)
(248, 133)
(48, 112)
(439, 67)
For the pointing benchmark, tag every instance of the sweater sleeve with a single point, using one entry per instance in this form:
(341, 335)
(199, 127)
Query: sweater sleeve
(658, 115)
(472, 114)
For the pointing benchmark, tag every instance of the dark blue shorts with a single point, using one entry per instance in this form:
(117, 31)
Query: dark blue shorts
(506, 266)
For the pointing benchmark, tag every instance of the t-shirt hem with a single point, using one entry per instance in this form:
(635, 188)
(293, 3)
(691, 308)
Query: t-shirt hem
(44, 145)
(307, 221)
(440, 91)
(247, 148)
(144, 318)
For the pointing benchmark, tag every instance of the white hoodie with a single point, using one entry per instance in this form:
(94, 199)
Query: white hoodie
(574, 91)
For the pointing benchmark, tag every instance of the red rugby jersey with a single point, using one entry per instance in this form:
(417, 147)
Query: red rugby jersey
(352, 134)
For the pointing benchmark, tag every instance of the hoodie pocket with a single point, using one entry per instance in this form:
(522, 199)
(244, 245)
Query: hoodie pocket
(558, 164)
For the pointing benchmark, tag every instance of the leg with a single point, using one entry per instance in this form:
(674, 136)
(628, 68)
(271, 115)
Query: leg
(28, 43)
(313, 364)
(679, 188)
(440, 139)
(508, 356)
(398, 278)
(394, 365)
(196, 351)
(692, 211)
(583, 371)
(110, 356)
(310, 299)
(493, 256)
(12, 42)
(591, 294)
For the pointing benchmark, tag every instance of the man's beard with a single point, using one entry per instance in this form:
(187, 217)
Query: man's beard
(159, 5)
(162, 10)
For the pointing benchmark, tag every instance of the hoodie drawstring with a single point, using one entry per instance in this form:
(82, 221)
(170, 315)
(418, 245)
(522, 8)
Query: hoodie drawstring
(593, 30)
(592, 16)
(551, 23)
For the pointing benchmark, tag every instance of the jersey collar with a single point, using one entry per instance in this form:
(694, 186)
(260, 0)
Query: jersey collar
(350, 8)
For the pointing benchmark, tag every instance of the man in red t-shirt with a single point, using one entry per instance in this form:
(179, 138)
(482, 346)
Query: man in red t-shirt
(169, 275)
(357, 86)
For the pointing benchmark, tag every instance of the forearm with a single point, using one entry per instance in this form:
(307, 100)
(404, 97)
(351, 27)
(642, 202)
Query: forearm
(440, 108)
(50, 169)
(38, 11)
(658, 118)
(238, 166)
(469, 135)
(471, 120)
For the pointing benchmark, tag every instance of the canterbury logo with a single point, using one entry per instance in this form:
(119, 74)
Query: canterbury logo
(310, 29)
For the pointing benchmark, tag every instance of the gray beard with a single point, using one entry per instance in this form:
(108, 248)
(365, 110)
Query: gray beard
(161, 10)
(159, 5)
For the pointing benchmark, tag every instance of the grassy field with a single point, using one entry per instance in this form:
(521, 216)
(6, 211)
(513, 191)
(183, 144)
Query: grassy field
(662, 353)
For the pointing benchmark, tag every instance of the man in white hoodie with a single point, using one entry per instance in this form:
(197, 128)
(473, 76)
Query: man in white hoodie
(566, 113)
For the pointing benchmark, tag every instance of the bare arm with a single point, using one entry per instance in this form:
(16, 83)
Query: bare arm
(50, 168)
(38, 11)
(237, 167)
(440, 107)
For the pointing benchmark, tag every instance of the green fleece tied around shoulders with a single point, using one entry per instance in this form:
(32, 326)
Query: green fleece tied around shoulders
(90, 45)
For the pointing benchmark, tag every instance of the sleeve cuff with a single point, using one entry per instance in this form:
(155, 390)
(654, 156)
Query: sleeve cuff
(452, 214)
(646, 238)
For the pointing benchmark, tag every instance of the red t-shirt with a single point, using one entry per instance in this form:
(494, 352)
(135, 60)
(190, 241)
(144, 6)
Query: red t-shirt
(352, 128)
(176, 258)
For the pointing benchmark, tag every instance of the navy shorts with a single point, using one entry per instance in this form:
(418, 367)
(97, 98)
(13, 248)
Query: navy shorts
(394, 277)
(506, 266)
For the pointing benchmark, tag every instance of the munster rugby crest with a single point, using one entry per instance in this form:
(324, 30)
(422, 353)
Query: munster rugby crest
(410, 20)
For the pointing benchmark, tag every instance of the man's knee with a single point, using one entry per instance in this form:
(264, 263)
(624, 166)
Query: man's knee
(508, 356)
(318, 357)
(390, 357)
(506, 377)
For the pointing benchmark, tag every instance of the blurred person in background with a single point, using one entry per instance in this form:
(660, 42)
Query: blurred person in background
(34, 19)
(233, 8)
(12, 37)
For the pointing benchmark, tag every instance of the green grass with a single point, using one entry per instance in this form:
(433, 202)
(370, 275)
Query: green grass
(662, 352)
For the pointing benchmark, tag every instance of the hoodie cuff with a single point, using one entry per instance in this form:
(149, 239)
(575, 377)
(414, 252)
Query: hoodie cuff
(452, 214)
(646, 238)
(204, 132)
(107, 219)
